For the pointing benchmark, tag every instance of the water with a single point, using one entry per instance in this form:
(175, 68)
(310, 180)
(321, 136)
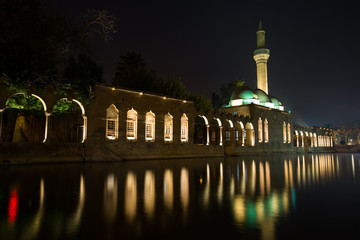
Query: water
(254, 197)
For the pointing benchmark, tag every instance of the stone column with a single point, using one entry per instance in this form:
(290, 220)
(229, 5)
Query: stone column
(221, 137)
(1, 114)
(47, 119)
(85, 129)
(207, 134)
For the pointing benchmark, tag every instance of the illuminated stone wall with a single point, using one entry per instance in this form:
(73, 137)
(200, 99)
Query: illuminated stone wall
(252, 113)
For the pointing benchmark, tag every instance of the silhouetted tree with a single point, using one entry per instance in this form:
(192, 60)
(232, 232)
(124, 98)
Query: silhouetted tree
(225, 93)
(37, 43)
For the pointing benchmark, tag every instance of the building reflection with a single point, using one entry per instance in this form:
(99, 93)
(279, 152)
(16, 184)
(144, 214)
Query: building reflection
(257, 192)
(130, 197)
(110, 197)
(184, 190)
(31, 231)
(149, 194)
(75, 219)
(168, 189)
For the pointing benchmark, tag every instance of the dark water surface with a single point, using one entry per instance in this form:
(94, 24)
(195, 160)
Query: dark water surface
(313, 196)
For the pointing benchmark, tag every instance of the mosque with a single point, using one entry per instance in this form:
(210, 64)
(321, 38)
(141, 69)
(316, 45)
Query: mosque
(122, 124)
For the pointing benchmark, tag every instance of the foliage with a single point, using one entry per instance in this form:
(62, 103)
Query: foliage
(63, 107)
(20, 101)
(132, 72)
(226, 91)
(80, 75)
(38, 47)
(202, 103)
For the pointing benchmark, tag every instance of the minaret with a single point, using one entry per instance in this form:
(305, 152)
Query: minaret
(261, 56)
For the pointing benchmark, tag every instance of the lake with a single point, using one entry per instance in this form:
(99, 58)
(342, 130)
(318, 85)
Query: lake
(307, 196)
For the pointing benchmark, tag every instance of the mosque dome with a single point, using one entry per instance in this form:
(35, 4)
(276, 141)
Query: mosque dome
(243, 92)
(275, 101)
(262, 96)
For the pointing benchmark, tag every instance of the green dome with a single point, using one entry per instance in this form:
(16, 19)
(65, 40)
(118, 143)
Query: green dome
(243, 92)
(275, 101)
(262, 96)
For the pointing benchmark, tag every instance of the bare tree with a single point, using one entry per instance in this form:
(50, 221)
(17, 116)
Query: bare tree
(100, 22)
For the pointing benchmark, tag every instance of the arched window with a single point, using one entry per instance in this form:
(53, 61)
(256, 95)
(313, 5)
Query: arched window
(150, 127)
(284, 132)
(296, 144)
(266, 131)
(289, 133)
(131, 125)
(184, 129)
(250, 134)
(112, 122)
(168, 128)
(315, 140)
(243, 133)
(260, 130)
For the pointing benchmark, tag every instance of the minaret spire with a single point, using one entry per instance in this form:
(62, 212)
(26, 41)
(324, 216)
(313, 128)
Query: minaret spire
(261, 56)
(260, 25)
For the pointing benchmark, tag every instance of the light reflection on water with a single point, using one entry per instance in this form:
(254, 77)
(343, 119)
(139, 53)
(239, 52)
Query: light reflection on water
(145, 198)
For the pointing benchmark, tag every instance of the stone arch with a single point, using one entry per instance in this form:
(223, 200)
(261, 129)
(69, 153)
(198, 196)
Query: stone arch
(266, 131)
(71, 126)
(229, 128)
(250, 134)
(24, 129)
(216, 132)
(260, 130)
(201, 131)
(296, 138)
(289, 133)
(241, 128)
(315, 140)
(351, 138)
(301, 141)
(284, 132)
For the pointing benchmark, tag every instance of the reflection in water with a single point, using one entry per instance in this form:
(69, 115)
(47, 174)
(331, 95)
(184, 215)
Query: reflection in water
(353, 165)
(256, 191)
(168, 189)
(130, 197)
(220, 186)
(110, 197)
(149, 194)
(13, 208)
(207, 187)
(75, 219)
(32, 230)
(184, 189)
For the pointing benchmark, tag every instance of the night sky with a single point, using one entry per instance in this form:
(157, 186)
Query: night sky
(314, 48)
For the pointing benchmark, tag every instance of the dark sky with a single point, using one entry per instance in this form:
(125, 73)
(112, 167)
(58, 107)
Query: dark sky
(314, 48)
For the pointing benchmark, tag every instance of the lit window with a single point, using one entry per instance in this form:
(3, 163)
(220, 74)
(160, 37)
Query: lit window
(260, 130)
(236, 135)
(150, 126)
(288, 133)
(112, 119)
(266, 131)
(168, 128)
(284, 132)
(184, 128)
(131, 125)
(227, 135)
